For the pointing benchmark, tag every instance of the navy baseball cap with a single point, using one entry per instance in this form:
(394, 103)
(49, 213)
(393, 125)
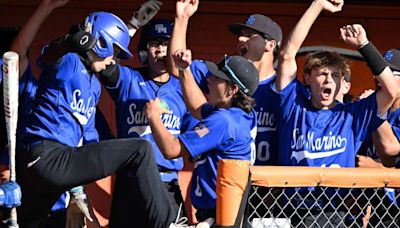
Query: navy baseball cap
(262, 24)
(392, 58)
(156, 28)
(238, 70)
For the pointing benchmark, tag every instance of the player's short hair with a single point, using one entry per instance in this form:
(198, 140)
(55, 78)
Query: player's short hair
(327, 59)
(243, 101)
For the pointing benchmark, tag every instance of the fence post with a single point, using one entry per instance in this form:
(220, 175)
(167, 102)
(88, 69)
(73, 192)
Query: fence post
(233, 176)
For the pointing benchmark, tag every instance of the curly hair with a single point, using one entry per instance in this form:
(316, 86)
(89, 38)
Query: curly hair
(327, 59)
(243, 101)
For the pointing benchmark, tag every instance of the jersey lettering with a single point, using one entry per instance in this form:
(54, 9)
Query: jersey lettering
(83, 111)
(138, 119)
(321, 147)
(265, 121)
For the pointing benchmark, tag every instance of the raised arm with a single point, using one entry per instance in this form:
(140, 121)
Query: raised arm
(287, 67)
(356, 36)
(184, 10)
(193, 96)
(23, 40)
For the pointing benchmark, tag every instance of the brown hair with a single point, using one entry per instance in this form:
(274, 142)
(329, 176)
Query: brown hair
(327, 59)
(243, 101)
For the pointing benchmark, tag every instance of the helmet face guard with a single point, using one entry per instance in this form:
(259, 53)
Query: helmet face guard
(156, 28)
(109, 30)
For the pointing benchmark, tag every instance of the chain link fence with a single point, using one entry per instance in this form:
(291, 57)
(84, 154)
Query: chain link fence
(322, 207)
(322, 197)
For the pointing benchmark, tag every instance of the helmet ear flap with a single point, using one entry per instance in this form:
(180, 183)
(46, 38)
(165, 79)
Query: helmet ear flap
(143, 57)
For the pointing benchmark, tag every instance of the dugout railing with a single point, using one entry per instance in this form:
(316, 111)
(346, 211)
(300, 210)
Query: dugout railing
(278, 196)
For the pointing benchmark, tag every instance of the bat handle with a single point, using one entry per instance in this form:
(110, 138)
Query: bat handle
(12, 221)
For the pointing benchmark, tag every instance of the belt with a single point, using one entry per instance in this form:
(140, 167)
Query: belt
(169, 176)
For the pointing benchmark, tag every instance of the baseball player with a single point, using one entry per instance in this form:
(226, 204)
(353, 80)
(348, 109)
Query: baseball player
(131, 89)
(63, 116)
(321, 131)
(258, 40)
(28, 86)
(384, 140)
(382, 148)
(226, 129)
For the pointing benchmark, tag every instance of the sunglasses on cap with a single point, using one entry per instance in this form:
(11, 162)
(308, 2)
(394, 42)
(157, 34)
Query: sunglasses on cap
(223, 65)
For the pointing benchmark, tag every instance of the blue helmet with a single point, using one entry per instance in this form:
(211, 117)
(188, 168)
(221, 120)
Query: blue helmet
(109, 30)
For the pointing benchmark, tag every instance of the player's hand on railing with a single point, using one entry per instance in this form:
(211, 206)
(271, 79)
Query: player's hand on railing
(367, 162)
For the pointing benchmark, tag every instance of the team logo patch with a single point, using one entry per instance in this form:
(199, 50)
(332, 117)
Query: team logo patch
(201, 130)
(251, 20)
(388, 55)
(160, 28)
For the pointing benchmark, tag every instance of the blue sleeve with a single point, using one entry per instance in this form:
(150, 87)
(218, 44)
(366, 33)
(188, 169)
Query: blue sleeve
(90, 134)
(188, 122)
(209, 134)
(365, 116)
(126, 79)
(65, 69)
(207, 110)
(200, 74)
(27, 83)
(102, 126)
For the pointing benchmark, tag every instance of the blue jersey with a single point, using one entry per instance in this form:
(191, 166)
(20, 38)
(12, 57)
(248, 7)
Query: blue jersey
(65, 103)
(221, 134)
(368, 148)
(221, 127)
(131, 94)
(27, 90)
(327, 138)
(267, 122)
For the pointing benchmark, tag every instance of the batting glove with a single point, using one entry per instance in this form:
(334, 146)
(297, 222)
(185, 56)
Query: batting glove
(78, 209)
(10, 194)
(146, 12)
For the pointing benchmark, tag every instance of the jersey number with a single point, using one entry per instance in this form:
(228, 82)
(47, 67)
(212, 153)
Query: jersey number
(263, 153)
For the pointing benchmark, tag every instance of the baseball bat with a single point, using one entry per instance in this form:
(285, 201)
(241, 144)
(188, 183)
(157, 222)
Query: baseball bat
(10, 95)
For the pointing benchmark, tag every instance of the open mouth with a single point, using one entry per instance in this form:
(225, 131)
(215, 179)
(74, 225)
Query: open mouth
(162, 60)
(326, 93)
(242, 50)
